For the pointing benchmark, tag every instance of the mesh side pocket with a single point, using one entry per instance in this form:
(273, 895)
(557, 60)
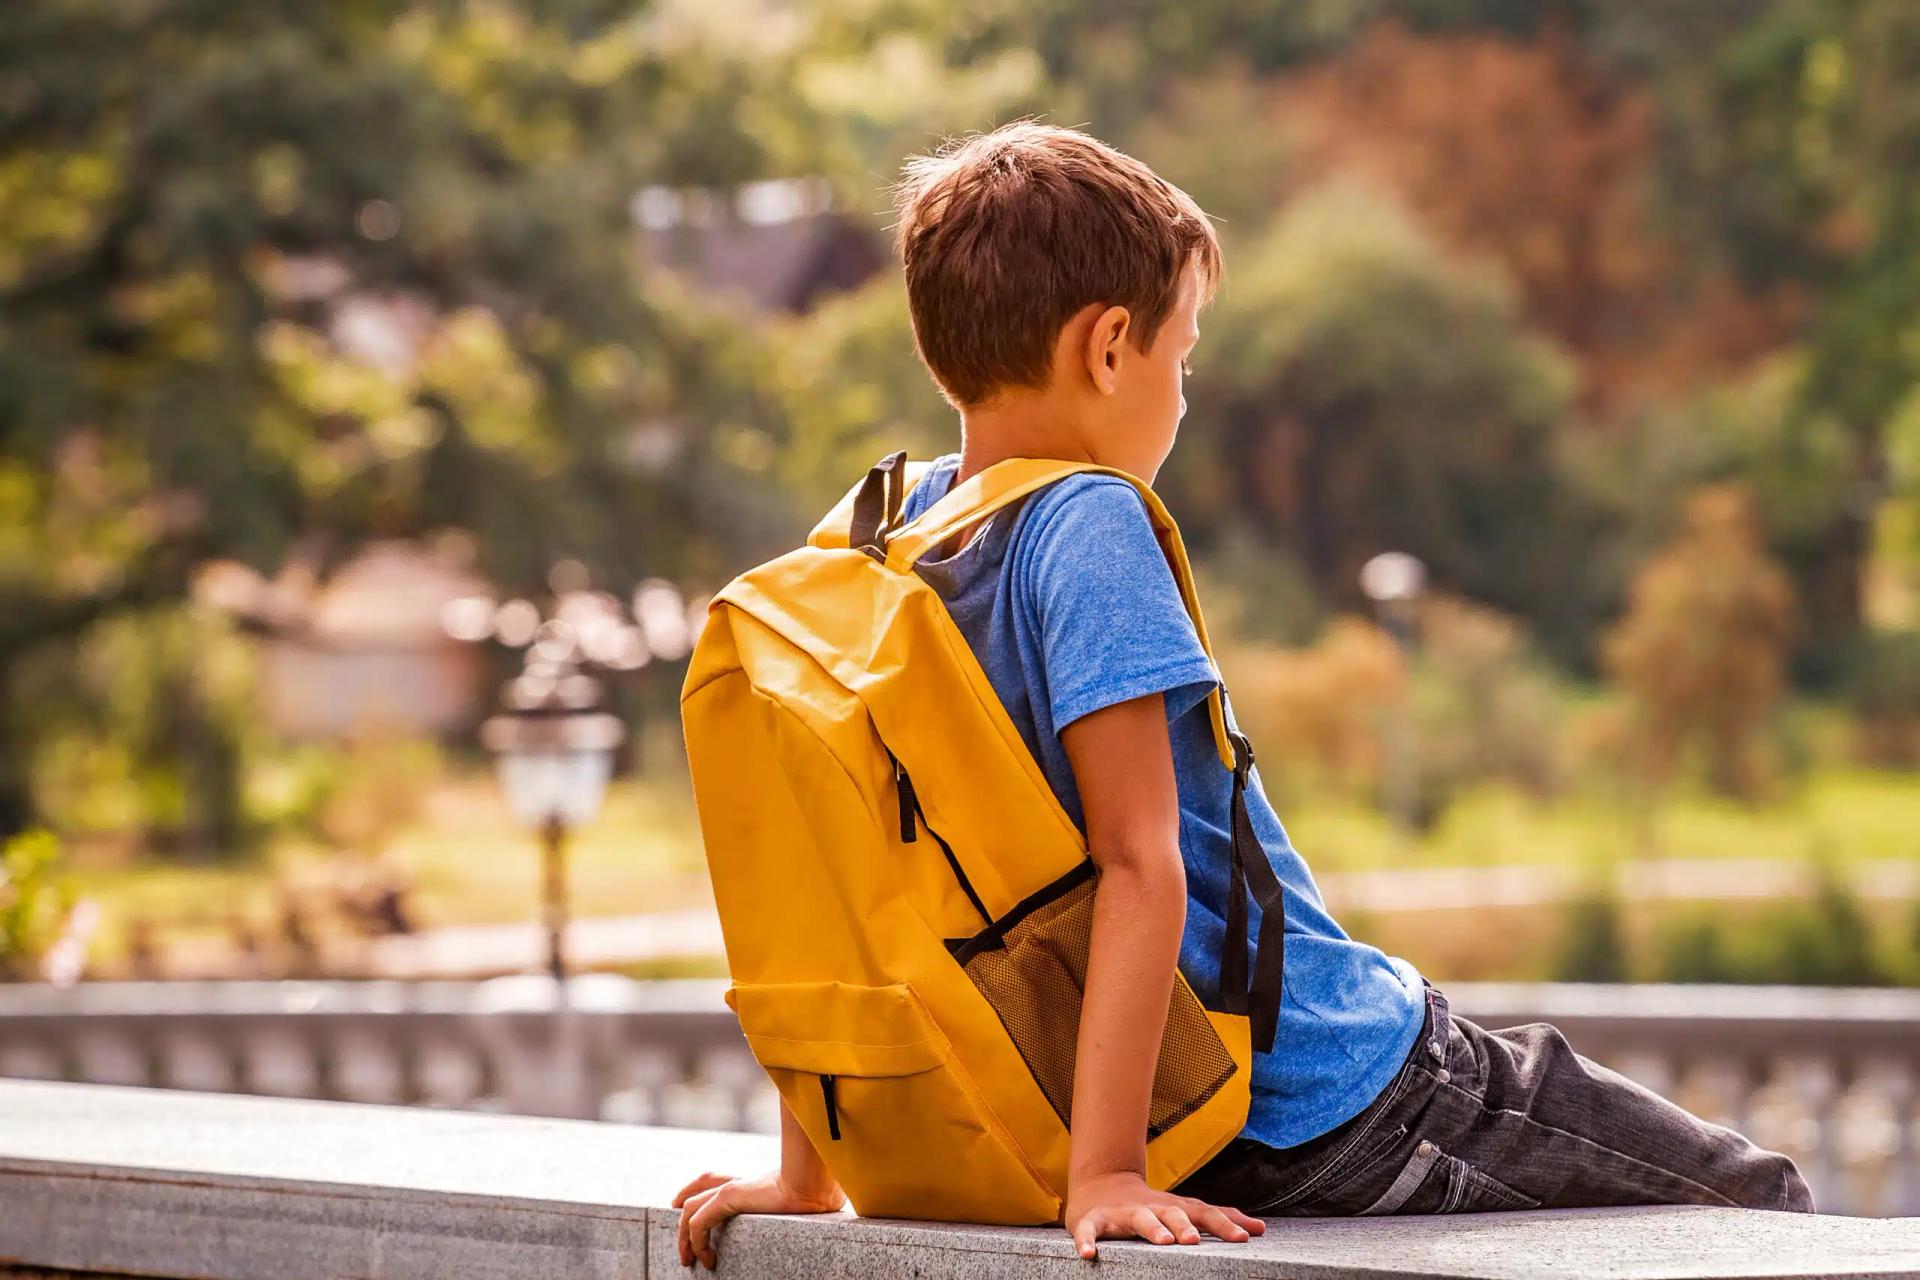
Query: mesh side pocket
(1034, 982)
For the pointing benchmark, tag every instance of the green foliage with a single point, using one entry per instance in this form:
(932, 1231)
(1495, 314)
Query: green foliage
(852, 388)
(1883, 692)
(1593, 944)
(351, 798)
(1826, 940)
(1485, 706)
(278, 279)
(34, 901)
(147, 727)
(1790, 157)
(1356, 391)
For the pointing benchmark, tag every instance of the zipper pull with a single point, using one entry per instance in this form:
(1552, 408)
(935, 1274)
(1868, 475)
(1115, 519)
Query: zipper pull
(829, 1095)
(909, 804)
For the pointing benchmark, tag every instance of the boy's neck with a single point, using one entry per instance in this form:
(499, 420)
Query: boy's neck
(1022, 427)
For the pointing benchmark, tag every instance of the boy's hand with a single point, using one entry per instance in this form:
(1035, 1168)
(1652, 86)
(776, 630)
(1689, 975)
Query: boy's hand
(1122, 1205)
(712, 1198)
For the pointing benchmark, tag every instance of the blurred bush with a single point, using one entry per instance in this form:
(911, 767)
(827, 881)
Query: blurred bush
(148, 729)
(1882, 690)
(1702, 651)
(1486, 705)
(352, 797)
(1592, 945)
(1316, 713)
(1477, 704)
(34, 902)
(1358, 390)
(1825, 940)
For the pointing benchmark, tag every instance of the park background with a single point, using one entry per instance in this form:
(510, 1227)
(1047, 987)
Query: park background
(341, 344)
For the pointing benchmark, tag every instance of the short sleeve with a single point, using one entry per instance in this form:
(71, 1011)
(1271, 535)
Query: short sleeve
(1107, 610)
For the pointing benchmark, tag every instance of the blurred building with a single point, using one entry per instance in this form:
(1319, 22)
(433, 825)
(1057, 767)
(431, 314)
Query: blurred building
(779, 244)
(363, 652)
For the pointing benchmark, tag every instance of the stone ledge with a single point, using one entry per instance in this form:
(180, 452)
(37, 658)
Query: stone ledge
(146, 1182)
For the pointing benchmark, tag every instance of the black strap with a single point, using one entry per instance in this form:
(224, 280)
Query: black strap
(1252, 876)
(878, 503)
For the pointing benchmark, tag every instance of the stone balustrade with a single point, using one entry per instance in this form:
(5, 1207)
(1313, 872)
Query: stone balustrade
(1830, 1076)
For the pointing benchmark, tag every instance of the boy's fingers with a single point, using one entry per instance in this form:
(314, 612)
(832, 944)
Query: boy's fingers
(1217, 1221)
(1084, 1233)
(687, 1211)
(1146, 1224)
(1254, 1226)
(710, 1214)
(1179, 1223)
(685, 1240)
(699, 1184)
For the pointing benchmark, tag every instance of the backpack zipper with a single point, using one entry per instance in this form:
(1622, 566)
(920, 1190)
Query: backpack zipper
(830, 1098)
(909, 803)
(910, 810)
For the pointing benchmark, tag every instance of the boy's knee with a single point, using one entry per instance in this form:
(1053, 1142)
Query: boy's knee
(1795, 1195)
(1772, 1181)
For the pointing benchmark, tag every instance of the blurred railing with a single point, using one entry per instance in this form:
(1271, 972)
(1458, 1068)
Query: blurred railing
(1830, 1076)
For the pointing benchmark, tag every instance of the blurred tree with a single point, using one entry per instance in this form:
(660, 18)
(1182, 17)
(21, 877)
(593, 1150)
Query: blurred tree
(1703, 648)
(1355, 392)
(1792, 156)
(1537, 154)
(278, 278)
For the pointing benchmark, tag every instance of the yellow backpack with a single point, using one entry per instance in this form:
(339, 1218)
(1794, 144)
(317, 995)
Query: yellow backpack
(905, 904)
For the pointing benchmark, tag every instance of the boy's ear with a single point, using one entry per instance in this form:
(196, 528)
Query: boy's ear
(1106, 348)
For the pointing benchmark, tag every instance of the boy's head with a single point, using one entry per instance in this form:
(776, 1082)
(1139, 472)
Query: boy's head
(1042, 265)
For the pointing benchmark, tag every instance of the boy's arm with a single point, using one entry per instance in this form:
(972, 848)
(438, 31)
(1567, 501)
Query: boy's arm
(1123, 766)
(802, 1171)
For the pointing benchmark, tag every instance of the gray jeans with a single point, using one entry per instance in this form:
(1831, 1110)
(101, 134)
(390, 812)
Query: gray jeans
(1509, 1119)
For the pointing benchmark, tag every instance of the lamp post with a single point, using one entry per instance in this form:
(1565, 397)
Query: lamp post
(553, 746)
(552, 740)
(1394, 581)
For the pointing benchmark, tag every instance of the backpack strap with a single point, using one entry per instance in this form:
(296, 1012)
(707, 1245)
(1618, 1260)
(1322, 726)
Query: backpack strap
(1252, 876)
(1005, 482)
(1255, 995)
(876, 505)
(836, 527)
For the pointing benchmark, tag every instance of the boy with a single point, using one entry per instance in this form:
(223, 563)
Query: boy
(1054, 286)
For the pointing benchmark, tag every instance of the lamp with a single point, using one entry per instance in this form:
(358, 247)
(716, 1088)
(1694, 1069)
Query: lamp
(553, 748)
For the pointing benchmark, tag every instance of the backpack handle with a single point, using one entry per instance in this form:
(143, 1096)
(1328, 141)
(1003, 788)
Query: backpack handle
(1008, 481)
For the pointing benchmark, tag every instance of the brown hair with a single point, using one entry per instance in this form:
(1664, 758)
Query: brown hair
(1005, 236)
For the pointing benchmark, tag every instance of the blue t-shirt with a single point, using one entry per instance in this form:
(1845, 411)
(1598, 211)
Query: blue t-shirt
(1069, 604)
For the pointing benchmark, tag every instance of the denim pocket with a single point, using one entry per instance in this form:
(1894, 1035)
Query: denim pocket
(1416, 1174)
(1432, 1181)
(1325, 1185)
(1475, 1192)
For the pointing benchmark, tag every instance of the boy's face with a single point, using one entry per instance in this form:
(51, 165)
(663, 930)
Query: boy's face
(1132, 426)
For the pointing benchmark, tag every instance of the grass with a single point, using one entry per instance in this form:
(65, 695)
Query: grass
(466, 862)
(1848, 814)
